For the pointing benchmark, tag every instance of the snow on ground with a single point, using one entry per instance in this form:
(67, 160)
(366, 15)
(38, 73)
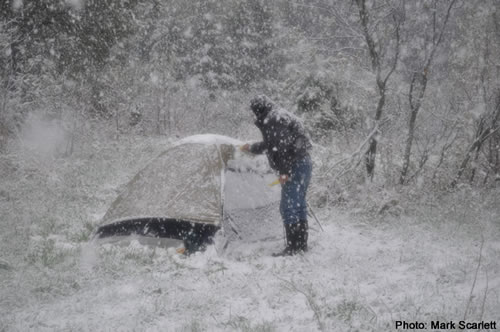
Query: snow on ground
(358, 275)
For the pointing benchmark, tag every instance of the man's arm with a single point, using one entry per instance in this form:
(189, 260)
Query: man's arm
(256, 148)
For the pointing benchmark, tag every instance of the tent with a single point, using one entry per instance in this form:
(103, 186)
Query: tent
(198, 186)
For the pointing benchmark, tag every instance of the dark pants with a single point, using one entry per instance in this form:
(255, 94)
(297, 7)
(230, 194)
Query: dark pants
(293, 205)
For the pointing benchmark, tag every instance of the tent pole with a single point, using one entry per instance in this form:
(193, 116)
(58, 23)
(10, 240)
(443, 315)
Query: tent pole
(314, 215)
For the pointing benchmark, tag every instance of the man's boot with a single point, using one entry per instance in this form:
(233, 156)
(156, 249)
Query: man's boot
(290, 234)
(302, 235)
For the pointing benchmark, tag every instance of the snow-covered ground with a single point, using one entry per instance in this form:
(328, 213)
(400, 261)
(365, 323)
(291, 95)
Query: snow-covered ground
(359, 275)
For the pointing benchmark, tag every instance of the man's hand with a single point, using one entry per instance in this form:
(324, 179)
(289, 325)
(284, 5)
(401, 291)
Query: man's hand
(283, 178)
(245, 148)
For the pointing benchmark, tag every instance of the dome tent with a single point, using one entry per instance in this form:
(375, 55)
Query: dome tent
(199, 185)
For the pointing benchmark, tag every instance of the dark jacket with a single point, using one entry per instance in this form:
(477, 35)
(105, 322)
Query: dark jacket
(284, 139)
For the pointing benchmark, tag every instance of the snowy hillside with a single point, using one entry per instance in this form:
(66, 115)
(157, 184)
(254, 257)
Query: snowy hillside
(359, 275)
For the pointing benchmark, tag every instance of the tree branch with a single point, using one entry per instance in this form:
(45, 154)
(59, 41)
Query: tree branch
(363, 15)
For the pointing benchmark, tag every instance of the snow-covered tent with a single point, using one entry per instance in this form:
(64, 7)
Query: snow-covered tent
(199, 185)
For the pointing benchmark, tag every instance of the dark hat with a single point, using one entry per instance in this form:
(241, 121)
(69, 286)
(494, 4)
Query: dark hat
(261, 105)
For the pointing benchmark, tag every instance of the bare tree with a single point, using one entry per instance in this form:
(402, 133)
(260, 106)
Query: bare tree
(486, 127)
(7, 80)
(383, 64)
(493, 154)
(418, 84)
(487, 123)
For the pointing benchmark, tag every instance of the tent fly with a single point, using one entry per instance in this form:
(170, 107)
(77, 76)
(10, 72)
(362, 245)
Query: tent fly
(199, 186)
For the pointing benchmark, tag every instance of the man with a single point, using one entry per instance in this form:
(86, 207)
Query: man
(287, 147)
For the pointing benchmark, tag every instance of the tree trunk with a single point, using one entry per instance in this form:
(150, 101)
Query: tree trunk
(415, 103)
(481, 137)
(409, 143)
(371, 153)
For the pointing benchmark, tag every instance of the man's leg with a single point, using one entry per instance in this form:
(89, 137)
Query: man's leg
(293, 206)
(287, 217)
(305, 170)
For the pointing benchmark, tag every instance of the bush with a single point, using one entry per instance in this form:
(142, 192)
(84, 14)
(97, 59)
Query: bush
(324, 114)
